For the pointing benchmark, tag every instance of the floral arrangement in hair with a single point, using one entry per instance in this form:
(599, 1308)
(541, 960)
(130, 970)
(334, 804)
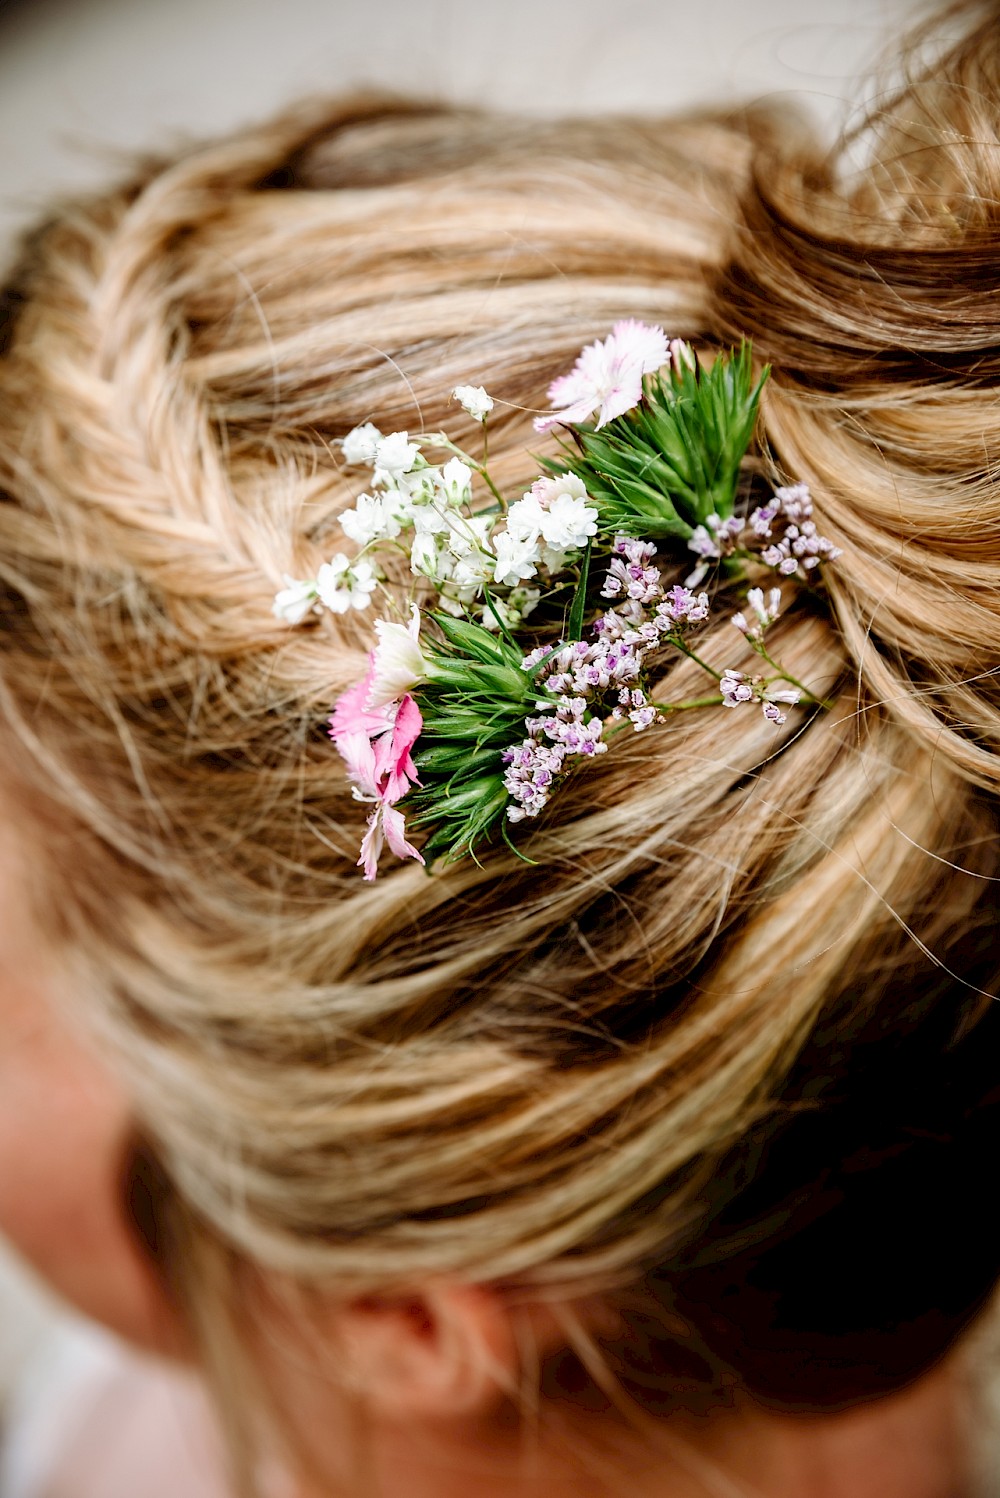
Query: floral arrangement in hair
(546, 612)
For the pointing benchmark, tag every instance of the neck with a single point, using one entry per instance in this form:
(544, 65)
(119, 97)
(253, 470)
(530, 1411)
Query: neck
(908, 1446)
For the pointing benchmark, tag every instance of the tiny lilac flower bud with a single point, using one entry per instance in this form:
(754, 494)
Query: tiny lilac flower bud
(735, 688)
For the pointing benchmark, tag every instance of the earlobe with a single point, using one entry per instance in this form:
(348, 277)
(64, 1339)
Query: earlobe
(447, 1350)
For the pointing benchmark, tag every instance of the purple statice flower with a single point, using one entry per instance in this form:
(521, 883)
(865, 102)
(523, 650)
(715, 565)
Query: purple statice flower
(590, 682)
(681, 607)
(538, 762)
(585, 684)
(795, 501)
(737, 688)
(771, 695)
(800, 548)
(629, 575)
(763, 612)
(761, 519)
(716, 539)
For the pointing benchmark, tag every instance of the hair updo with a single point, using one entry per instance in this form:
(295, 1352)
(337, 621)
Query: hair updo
(721, 1053)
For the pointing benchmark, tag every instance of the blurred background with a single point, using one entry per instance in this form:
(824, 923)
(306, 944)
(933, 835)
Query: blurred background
(85, 82)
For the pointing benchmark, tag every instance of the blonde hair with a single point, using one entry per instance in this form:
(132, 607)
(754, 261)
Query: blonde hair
(532, 1074)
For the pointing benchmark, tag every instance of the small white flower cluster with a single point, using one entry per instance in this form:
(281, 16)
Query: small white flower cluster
(339, 585)
(474, 400)
(425, 509)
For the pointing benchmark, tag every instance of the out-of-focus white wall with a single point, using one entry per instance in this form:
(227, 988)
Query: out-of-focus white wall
(83, 79)
(80, 76)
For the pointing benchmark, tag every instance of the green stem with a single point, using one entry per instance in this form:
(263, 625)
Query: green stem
(691, 655)
(676, 707)
(784, 675)
(481, 470)
(439, 439)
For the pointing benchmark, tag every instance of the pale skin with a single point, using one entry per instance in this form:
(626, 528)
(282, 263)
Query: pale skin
(417, 1406)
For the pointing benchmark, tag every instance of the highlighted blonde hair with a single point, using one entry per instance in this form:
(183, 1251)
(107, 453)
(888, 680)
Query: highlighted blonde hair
(567, 1076)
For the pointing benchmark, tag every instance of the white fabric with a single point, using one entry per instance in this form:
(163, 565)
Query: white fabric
(92, 1419)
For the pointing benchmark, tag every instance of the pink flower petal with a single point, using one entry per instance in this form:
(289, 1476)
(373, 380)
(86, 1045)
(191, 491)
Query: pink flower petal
(607, 376)
(626, 394)
(637, 344)
(581, 411)
(351, 715)
(406, 730)
(573, 387)
(394, 824)
(371, 845)
(386, 823)
(394, 763)
(358, 752)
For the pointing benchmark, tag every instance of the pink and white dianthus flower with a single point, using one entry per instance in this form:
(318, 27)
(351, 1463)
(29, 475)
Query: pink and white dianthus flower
(376, 744)
(397, 663)
(607, 377)
(385, 825)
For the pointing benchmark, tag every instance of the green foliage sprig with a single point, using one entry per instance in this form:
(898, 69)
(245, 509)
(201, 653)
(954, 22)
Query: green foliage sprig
(674, 459)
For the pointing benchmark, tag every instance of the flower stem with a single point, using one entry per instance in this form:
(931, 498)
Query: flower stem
(439, 439)
(691, 655)
(676, 707)
(784, 675)
(483, 473)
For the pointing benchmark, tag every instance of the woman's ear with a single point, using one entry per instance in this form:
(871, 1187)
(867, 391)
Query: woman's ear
(449, 1349)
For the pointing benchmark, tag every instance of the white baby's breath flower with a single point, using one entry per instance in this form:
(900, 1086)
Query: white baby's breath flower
(473, 398)
(343, 584)
(547, 490)
(451, 603)
(568, 523)
(517, 558)
(556, 561)
(295, 600)
(525, 518)
(555, 516)
(472, 571)
(430, 520)
(425, 558)
(469, 533)
(398, 663)
(414, 488)
(360, 444)
(455, 482)
(395, 456)
(373, 518)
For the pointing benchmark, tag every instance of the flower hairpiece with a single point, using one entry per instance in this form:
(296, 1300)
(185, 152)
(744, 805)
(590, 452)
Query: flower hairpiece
(470, 717)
